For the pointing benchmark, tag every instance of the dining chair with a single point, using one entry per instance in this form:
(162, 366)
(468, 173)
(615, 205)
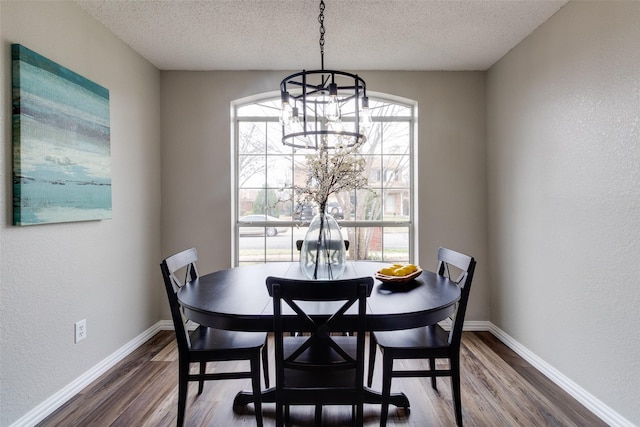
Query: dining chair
(208, 344)
(431, 342)
(320, 368)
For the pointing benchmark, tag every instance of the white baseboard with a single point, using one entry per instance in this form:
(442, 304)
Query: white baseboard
(477, 325)
(470, 325)
(47, 407)
(589, 401)
(593, 404)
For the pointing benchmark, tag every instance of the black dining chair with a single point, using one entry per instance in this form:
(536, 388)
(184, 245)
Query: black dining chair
(320, 368)
(208, 344)
(430, 342)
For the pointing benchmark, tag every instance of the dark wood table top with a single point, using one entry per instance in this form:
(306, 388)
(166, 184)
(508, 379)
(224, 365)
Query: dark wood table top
(237, 298)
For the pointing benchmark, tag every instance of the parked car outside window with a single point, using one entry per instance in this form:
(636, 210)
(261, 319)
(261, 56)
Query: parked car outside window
(303, 213)
(307, 212)
(335, 210)
(260, 231)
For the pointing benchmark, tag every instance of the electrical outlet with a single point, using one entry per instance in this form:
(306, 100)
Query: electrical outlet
(81, 330)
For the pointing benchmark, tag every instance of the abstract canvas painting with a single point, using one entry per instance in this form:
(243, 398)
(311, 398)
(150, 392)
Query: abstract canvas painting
(61, 143)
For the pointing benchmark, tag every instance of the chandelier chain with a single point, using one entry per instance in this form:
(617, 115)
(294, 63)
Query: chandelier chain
(311, 114)
(321, 21)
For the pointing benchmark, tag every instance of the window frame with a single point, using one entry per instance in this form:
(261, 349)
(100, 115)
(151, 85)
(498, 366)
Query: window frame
(411, 224)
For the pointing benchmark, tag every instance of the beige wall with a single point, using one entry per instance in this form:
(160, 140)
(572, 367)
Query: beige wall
(550, 209)
(563, 123)
(196, 157)
(104, 271)
(562, 175)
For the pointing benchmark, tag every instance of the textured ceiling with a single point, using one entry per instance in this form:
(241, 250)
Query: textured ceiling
(284, 34)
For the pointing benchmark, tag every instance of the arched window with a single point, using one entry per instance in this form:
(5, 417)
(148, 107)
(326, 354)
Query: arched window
(379, 221)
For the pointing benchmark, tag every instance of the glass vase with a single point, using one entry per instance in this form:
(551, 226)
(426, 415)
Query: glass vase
(323, 253)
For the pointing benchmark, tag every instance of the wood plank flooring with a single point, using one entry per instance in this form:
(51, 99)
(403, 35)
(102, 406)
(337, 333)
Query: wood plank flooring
(498, 389)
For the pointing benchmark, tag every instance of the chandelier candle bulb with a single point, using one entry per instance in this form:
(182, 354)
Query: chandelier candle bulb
(286, 112)
(365, 121)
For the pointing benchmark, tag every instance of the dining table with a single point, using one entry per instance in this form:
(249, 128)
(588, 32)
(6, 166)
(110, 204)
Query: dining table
(237, 299)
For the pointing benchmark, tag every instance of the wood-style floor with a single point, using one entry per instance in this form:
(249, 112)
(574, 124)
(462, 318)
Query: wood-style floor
(498, 389)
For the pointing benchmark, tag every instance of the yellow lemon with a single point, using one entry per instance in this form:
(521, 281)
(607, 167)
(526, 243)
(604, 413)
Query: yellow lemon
(399, 270)
(402, 271)
(387, 271)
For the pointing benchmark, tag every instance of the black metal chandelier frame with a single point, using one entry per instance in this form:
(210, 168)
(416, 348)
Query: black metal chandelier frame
(308, 95)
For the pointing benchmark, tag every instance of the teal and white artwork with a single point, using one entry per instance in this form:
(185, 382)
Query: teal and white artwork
(61, 143)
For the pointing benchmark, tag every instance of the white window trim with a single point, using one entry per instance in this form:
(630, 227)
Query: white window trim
(412, 224)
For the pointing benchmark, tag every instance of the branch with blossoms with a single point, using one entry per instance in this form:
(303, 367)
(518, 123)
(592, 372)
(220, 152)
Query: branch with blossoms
(345, 170)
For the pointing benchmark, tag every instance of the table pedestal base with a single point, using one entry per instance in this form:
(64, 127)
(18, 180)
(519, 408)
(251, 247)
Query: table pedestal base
(399, 400)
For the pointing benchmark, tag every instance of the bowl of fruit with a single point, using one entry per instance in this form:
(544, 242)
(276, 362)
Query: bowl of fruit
(398, 273)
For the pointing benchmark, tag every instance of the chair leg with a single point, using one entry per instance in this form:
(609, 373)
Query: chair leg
(203, 370)
(387, 368)
(265, 362)
(455, 388)
(257, 392)
(183, 383)
(279, 415)
(318, 416)
(373, 344)
(359, 419)
(432, 367)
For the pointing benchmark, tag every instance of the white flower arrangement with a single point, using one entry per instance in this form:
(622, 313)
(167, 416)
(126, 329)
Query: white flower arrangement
(343, 170)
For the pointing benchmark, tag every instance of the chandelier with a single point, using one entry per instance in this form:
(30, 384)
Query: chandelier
(324, 109)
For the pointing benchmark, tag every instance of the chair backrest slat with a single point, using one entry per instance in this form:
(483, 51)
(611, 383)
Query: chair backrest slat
(466, 265)
(170, 266)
